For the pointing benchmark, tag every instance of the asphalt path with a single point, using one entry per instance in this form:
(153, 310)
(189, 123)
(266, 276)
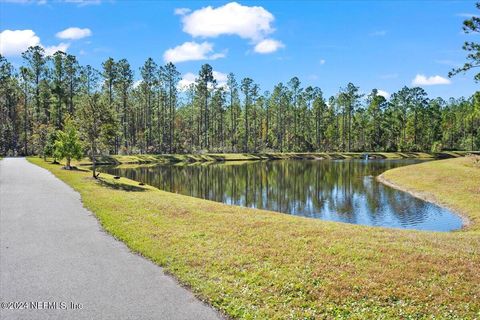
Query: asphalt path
(57, 263)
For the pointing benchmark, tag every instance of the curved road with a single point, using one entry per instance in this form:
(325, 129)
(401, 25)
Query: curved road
(52, 250)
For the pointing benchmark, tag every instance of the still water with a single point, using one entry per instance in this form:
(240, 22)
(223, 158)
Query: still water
(344, 190)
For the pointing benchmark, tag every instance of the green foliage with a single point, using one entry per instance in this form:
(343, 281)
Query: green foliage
(49, 149)
(157, 116)
(471, 25)
(436, 147)
(67, 144)
(98, 124)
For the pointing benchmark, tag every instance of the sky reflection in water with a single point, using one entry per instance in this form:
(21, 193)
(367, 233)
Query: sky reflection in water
(344, 191)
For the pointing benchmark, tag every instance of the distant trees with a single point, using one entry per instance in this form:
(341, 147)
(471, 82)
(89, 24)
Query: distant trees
(376, 105)
(155, 115)
(122, 87)
(205, 82)
(170, 77)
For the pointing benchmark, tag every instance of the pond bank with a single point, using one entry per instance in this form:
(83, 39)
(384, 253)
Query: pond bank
(253, 263)
(342, 191)
(209, 157)
(451, 183)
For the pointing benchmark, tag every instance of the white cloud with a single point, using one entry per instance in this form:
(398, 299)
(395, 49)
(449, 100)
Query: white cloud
(187, 80)
(422, 80)
(74, 33)
(190, 78)
(50, 50)
(322, 61)
(383, 93)
(252, 23)
(14, 42)
(221, 78)
(181, 11)
(268, 46)
(191, 50)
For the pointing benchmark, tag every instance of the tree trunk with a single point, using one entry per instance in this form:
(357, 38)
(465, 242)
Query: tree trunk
(94, 164)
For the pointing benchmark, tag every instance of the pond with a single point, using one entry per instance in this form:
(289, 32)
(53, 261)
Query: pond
(343, 190)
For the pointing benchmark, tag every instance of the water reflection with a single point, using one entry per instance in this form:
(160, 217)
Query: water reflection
(343, 191)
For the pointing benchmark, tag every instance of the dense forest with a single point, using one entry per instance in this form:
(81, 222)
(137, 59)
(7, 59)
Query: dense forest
(111, 113)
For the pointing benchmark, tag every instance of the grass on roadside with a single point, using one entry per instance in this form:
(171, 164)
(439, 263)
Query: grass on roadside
(258, 264)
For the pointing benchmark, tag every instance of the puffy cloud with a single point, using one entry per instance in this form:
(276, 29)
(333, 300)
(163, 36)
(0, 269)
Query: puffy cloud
(248, 22)
(252, 23)
(221, 78)
(322, 61)
(191, 50)
(268, 46)
(14, 42)
(422, 80)
(189, 78)
(74, 33)
(383, 93)
(50, 50)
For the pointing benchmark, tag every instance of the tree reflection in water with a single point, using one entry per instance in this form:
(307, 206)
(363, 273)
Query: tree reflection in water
(344, 191)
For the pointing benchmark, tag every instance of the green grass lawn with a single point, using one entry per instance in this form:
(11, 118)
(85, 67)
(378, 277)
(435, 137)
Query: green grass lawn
(256, 264)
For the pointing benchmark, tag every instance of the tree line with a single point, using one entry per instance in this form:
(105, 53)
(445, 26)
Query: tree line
(111, 113)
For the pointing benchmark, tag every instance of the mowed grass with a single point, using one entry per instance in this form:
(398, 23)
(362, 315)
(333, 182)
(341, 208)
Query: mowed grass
(256, 264)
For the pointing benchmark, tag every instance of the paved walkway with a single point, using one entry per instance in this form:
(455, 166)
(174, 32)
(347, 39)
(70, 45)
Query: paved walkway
(53, 250)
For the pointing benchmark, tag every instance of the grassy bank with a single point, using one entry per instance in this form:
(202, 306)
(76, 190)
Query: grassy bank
(258, 264)
(168, 158)
(454, 183)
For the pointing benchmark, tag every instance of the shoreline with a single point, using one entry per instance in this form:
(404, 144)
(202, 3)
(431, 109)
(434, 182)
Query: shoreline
(227, 157)
(466, 222)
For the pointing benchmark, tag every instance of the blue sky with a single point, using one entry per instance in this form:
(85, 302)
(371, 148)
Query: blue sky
(383, 45)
